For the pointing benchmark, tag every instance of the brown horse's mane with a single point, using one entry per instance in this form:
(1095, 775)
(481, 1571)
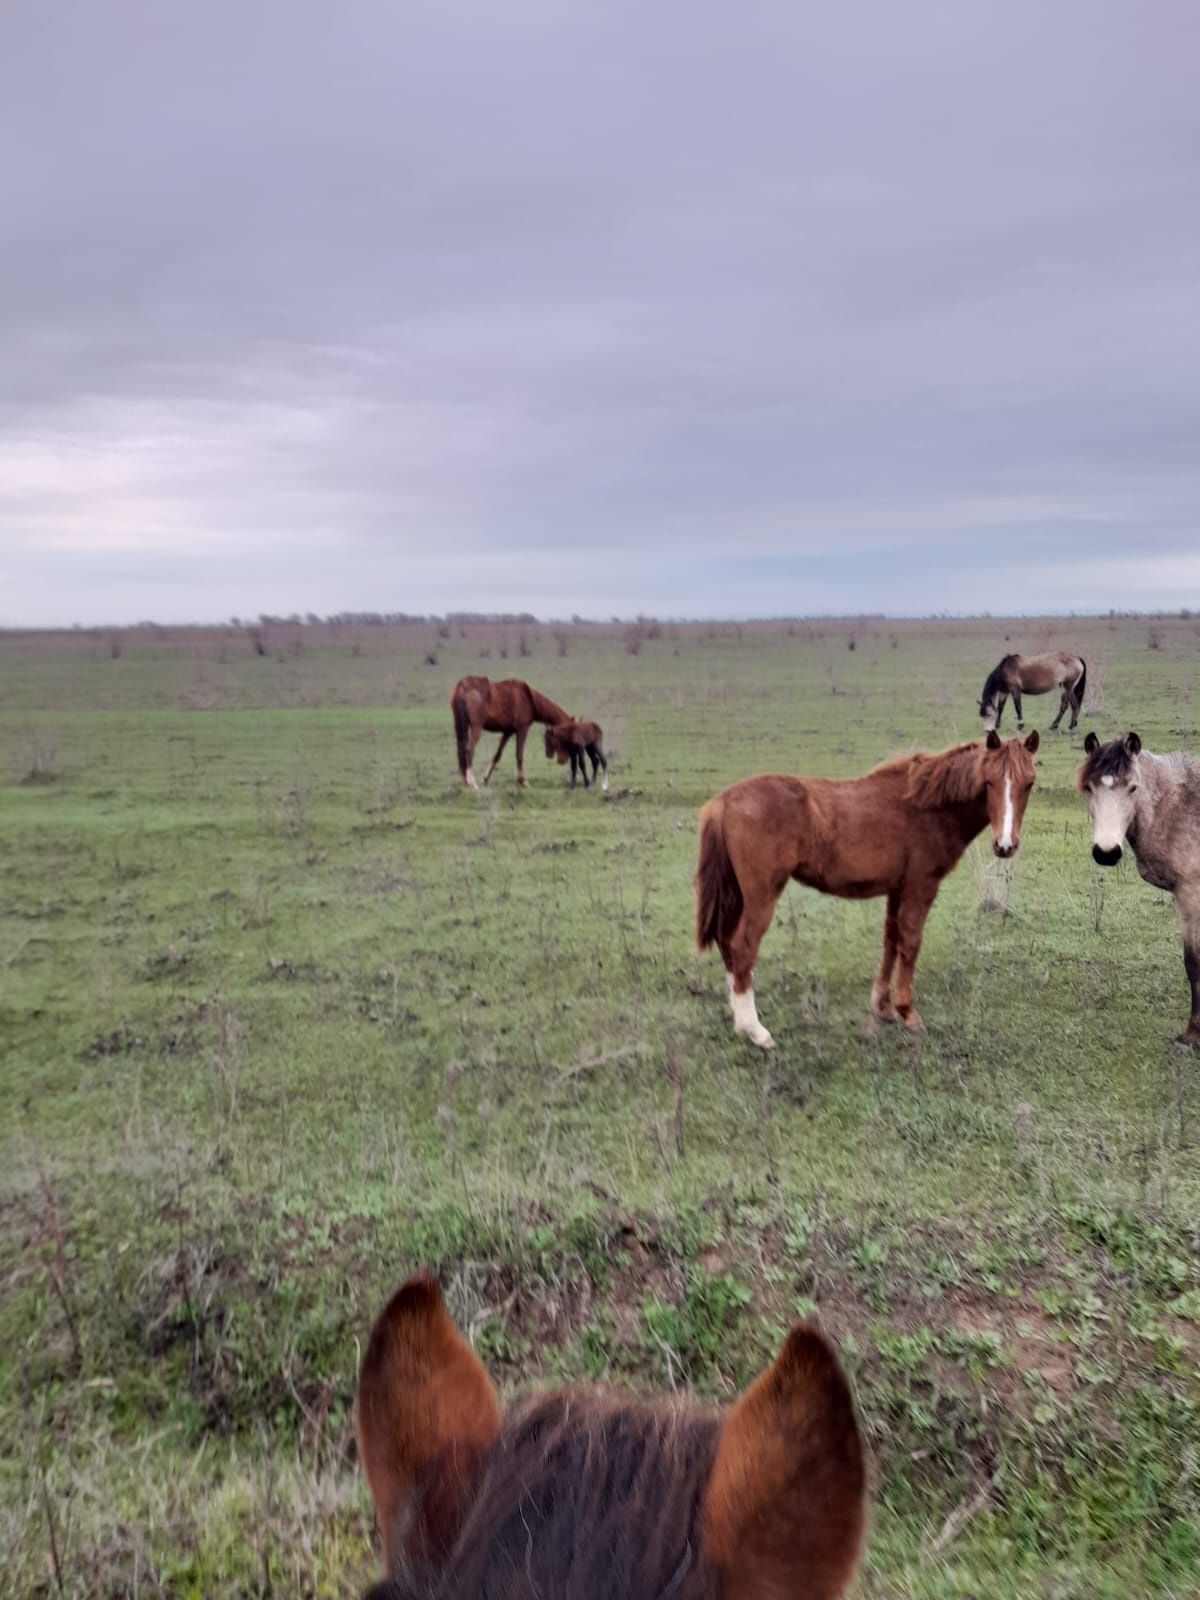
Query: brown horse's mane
(584, 1496)
(545, 709)
(939, 778)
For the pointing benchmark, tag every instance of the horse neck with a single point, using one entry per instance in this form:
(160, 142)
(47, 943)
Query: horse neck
(1154, 799)
(545, 710)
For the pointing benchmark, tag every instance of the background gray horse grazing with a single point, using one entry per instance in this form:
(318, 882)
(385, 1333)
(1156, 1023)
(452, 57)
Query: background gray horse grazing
(1151, 803)
(1017, 675)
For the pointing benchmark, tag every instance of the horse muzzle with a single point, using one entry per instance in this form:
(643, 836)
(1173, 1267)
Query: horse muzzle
(1106, 857)
(1004, 851)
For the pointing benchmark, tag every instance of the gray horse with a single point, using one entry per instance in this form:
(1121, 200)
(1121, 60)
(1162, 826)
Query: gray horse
(1151, 803)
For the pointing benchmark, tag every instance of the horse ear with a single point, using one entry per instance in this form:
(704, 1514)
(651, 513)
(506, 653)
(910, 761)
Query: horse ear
(1091, 742)
(1132, 743)
(993, 740)
(1032, 741)
(784, 1503)
(426, 1415)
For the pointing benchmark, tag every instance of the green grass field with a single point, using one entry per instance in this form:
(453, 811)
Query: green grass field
(285, 1012)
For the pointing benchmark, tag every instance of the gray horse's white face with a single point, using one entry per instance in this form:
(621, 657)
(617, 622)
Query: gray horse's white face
(989, 710)
(1112, 805)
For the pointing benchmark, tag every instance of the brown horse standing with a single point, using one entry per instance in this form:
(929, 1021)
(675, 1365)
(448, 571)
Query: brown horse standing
(576, 742)
(507, 708)
(1017, 675)
(897, 831)
(586, 1496)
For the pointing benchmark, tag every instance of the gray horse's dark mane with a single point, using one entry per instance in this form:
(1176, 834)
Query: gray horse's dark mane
(1110, 760)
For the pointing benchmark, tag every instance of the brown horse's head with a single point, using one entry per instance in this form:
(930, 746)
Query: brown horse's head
(579, 1496)
(1006, 768)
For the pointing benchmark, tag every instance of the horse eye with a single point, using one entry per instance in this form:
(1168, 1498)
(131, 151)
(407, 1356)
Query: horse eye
(1132, 787)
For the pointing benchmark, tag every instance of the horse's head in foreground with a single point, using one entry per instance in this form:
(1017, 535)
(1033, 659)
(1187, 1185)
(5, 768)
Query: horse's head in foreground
(1109, 778)
(585, 1496)
(557, 745)
(1006, 767)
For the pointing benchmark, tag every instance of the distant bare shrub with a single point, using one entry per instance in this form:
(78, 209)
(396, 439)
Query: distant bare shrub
(37, 756)
(635, 637)
(504, 648)
(851, 643)
(523, 645)
(485, 651)
(116, 646)
(258, 640)
(1153, 639)
(562, 643)
(431, 658)
(443, 630)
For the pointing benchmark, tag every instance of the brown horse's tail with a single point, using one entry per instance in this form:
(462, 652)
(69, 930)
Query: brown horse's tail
(1081, 686)
(718, 892)
(462, 726)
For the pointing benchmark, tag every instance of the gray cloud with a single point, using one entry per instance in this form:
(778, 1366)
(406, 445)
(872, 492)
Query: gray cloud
(691, 308)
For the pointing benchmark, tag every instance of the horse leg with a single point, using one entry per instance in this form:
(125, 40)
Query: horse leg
(574, 765)
(1076, 703)
(1062, 708)
(472, 741)
(522, 734)
(599, 759)
(1001, 702)
(757, 910)
(1189, 916)
(881, 989)
(583, 769)
(504, 738)
(1017, 709)
(910, 925)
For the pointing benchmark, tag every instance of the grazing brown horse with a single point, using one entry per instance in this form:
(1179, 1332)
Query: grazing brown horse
(1151, 803)
(898, 831)
(508, 707)
(581, 1495)
(575, 742)
(1017, 675)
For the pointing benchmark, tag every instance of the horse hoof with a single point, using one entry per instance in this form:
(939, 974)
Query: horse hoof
(763, 1040)
(913, 1023)
(1189, 1038)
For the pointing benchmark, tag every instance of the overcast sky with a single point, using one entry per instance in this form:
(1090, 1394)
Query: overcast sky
(686, 308)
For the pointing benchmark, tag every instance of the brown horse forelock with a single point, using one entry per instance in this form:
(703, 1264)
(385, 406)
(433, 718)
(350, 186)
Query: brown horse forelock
(582, 1498)
(959, 774)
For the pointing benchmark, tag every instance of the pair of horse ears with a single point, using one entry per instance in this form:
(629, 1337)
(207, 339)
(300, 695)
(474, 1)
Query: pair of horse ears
(994, 741)
(785, 1495)
(1132, 743)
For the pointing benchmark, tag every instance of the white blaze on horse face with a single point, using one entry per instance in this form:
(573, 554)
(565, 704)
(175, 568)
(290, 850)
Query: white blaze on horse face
(1006, 827)
(745, 1019)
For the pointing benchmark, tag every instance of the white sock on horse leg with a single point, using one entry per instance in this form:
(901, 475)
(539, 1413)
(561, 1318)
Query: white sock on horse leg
(745, 1019)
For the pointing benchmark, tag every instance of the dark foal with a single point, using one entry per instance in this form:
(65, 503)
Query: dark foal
(576, 742)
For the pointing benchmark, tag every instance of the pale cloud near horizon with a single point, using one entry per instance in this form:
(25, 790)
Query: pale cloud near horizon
(702, 310)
